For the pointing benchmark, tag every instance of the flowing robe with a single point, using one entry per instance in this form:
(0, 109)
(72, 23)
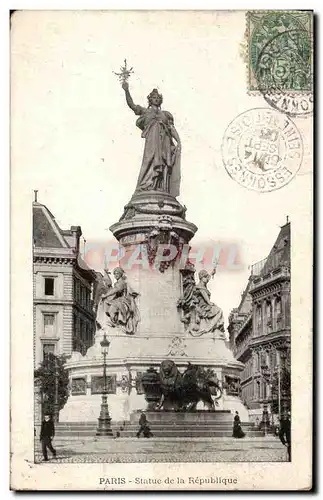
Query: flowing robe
(208, 311)
(237, 430)
(121, 308)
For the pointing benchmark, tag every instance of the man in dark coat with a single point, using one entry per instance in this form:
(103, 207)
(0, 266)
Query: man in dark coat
(47, 433)
(144, 426)
(284, 434)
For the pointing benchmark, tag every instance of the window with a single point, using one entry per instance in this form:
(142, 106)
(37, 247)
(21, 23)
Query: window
(48, 349)
(88, 334)
(263, 360)
(272, 358)
(49, 324)
(258, 320)
(279, 312)
(49, 286)
(75, 288)
(258, 361)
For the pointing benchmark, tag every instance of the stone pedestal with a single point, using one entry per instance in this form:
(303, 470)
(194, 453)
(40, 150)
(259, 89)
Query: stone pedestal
(152, 224)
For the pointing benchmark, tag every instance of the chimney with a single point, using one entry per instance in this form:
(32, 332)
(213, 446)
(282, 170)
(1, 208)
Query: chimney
(77, 233)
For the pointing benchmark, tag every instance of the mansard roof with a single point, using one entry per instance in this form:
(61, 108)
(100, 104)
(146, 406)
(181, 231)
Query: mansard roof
(280, 253)
(246, 300)
(46, 231)
(279, 256)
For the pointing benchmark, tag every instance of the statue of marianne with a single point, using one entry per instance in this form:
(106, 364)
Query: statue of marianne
(160, 168)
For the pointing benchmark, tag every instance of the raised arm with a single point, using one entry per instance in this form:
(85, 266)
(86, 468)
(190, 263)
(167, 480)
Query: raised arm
(175, 135)
(138, 110)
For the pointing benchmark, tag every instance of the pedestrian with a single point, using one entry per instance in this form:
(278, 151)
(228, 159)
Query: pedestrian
(237, 430)
(144, 426)
(47, 433)
(285, 435)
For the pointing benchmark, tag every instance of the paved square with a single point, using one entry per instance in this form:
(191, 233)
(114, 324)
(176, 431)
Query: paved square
(92, 450)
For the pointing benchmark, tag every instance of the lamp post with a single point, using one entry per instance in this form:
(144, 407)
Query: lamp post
(104, 420)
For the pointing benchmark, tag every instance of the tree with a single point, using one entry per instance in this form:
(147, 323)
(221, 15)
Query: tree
(52, 380)
(285, 390)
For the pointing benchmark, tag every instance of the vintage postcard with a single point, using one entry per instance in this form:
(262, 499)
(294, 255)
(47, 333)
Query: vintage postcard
(161, 250)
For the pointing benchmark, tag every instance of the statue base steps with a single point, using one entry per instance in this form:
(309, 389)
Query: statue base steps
(179, 417)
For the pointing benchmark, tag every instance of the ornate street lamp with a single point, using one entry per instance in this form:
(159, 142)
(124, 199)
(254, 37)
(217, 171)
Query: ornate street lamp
(104, 420)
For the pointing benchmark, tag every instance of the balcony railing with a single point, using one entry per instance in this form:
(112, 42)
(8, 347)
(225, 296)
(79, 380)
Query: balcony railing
(264, 279)
(258, 267)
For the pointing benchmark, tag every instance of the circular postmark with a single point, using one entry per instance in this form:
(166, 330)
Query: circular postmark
(281, 59)
(262, 149)
(278, 71)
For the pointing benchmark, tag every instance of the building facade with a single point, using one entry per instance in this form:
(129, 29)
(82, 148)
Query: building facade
(64, 319)
(260, 332)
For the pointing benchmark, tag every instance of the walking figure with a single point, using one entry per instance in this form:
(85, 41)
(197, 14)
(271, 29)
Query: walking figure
(144, 427)
(237, 430)
(47, 433)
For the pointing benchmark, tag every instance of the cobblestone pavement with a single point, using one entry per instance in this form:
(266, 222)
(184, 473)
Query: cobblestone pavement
(167, 450)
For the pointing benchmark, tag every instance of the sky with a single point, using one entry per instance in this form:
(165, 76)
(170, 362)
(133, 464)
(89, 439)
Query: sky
(74, 139)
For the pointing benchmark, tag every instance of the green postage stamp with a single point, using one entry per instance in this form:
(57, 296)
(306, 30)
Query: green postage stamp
(280, 51)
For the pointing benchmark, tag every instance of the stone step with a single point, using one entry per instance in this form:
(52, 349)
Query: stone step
(155, 424)
(162, 434)
(152, 426)
(80, 428)
(166, 432)
(179, 425)
(76, 425)
(79, 424)
(191, 432)
(198, 416)
(221, 426)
